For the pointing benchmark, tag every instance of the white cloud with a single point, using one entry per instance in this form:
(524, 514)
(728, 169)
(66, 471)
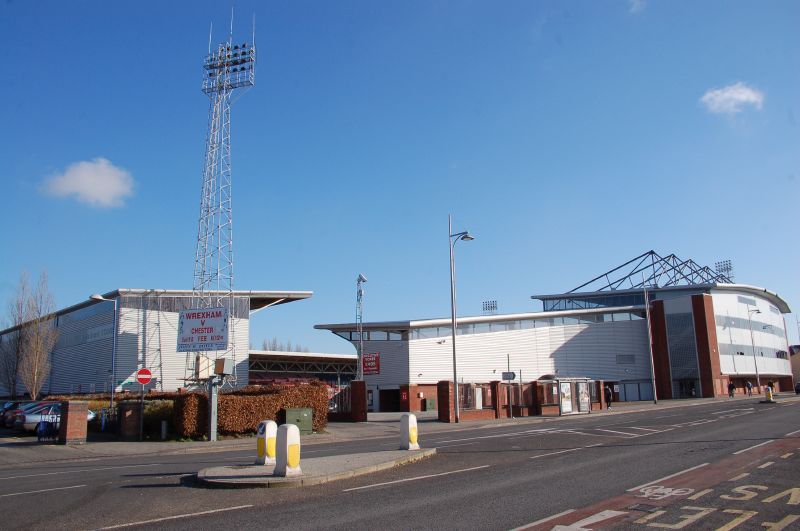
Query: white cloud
(97, 182)
(731, 99)
(634, 6)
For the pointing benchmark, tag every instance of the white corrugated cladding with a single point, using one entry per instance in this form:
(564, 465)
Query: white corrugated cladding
(242, 332)
(149, 338)
(733, 322)
(393, 361)
(611, 351)
(81, 359)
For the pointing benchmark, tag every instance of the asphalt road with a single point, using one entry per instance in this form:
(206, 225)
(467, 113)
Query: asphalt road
(720, 465)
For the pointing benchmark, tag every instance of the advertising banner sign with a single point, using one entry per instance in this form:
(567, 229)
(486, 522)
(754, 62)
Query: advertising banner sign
(566, 397)
(371, 363)
(203, 329)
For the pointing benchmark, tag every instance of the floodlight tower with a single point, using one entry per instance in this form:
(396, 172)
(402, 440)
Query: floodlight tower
(360, 324)
(228, 68)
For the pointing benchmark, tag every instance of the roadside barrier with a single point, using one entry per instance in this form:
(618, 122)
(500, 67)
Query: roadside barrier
(408, 432)
(287, 461)
(265, 442)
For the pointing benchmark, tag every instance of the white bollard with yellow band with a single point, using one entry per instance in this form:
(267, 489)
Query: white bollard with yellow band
(288, 459)
(266, 442)
(408, 432)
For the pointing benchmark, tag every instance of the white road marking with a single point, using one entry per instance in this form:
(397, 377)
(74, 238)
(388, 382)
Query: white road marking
(700, 494)
(543, 520)
(768, 463)
(417, 478)
(659, 480)
(754, 446)
(38, 491)
(732, 410)
(166, 518)
(790, 434)
(565, 451)
(77, 471)
(786, 456)
(527, 432)
(644, 429)
(595, 518)
(451, 445)
(631, 435)
(740, 476)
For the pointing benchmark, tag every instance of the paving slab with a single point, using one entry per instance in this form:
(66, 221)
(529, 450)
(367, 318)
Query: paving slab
(316, 470)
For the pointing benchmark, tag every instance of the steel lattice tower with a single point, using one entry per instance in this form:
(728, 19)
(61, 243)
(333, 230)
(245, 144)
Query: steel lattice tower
(230, 67)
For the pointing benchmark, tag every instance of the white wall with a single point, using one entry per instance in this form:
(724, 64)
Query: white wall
(575, 350)
(766, 340)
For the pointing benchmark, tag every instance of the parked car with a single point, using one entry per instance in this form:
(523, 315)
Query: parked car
(48, 412)
(11, 414)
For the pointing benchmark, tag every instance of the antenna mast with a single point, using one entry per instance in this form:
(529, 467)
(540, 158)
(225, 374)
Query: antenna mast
(228, 68)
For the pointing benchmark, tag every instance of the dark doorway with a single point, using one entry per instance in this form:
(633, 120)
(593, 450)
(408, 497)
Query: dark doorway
(389, 400)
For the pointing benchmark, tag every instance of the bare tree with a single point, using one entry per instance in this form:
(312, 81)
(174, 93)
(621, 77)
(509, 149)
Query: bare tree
(11, 344)
(39, 338)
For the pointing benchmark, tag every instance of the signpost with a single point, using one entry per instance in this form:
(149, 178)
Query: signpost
(203, 330)
(143, 376)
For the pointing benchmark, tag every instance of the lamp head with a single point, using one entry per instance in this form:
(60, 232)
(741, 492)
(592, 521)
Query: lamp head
(467, 237)
(361, 278)
(97, 297)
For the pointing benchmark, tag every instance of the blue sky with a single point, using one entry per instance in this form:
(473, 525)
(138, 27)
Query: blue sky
(566, 136)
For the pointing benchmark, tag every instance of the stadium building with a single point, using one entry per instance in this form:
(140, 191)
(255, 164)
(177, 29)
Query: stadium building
(146, 335)
(706, 330)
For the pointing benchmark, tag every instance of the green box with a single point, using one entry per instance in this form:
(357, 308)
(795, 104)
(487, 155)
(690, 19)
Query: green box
(430, 404)
(302, 417)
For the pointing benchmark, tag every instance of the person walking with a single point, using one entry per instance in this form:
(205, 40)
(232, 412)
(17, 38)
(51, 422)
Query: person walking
(749, 388)
(609, 396)
(731, 389)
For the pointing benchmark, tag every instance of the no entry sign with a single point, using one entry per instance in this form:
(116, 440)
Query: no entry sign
(143, 376)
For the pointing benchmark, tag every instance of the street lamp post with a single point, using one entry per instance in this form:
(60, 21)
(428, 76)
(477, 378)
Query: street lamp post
(453, 239)
(753, 343)
(98, 297)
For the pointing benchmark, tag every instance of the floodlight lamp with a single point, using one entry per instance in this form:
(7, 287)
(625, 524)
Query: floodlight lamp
(361, 278)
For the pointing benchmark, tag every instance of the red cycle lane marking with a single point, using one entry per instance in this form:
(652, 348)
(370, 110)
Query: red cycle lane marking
(694, 483)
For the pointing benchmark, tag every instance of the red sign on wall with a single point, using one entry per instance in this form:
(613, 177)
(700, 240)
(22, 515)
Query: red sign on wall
(371, 363)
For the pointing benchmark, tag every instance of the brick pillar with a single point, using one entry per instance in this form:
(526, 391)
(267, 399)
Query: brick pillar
(658, 328)
(72, 425)
(444, 401)
(498, 396)
(129, 420)
(712, 382)
(602, 392)
(358, 401)
(405, 398)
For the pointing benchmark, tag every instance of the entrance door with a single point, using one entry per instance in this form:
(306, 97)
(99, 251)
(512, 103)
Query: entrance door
(389, 400)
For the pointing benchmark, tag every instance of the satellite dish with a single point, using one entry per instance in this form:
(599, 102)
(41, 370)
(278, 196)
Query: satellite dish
(361, 278)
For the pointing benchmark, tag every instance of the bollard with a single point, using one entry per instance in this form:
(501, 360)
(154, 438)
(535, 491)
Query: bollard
(287, 462)
(408, 432)
(768, 394)
(163, 430)
(265, 442)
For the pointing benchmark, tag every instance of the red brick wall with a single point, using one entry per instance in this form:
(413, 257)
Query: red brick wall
(414, 402)
(72, 426)
(712, 382)
(658, 329)
(444, 401)
(358, 401)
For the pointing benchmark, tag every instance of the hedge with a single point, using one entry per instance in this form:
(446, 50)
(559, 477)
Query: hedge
(240, 411)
